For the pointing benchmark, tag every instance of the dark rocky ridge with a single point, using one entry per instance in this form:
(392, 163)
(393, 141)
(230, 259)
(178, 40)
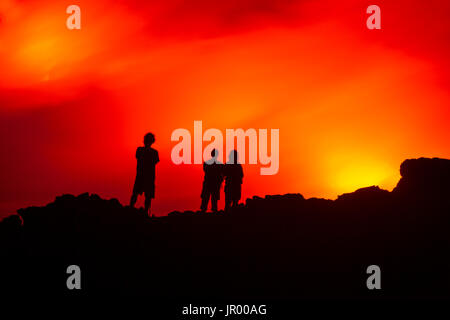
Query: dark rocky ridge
(281, 246)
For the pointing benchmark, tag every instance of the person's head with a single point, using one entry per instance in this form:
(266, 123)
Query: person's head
(149, 139)
(214, 153)
(233, 157)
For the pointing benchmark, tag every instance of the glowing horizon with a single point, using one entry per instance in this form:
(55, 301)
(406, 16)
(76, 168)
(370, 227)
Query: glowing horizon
(351, 104)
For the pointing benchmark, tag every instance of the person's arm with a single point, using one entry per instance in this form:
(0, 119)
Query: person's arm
(138, 152)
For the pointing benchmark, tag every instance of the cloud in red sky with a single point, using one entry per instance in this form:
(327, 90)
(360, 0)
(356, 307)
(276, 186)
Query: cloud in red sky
(350, 103)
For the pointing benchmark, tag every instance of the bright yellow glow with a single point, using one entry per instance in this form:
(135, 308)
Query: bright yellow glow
(352, 174)
(351, 178)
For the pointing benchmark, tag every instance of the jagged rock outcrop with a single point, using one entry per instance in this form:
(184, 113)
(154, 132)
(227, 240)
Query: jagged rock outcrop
(424, 178)
(280, 246)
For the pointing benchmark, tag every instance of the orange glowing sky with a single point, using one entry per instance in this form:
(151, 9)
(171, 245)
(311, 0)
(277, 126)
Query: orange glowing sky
(350, 103)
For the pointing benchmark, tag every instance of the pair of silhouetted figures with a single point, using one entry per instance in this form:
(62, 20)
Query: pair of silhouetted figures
(215, 173)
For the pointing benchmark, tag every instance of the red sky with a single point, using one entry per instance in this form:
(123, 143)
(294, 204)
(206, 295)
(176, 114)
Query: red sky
(350, 103)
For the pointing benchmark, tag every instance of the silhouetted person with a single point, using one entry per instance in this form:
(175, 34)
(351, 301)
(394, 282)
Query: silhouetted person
(233, 180)
(212, 182)
(147, 158)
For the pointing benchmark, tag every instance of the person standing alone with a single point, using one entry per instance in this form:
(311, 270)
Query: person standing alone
(147, 158)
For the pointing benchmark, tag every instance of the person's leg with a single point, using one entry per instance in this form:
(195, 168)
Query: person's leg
(214, 200)
(133, 199)
(236, 196)
(148, 203)
(205, 200)
(227, 201)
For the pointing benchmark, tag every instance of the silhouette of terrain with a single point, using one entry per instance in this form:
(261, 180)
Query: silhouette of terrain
(277, 247)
